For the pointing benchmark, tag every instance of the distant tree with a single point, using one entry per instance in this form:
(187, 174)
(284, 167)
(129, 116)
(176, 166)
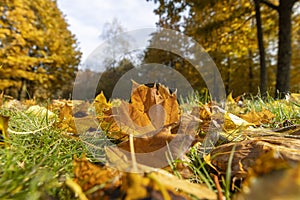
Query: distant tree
(113, 57)
(117, 42)
(110, 77)
(38, 54)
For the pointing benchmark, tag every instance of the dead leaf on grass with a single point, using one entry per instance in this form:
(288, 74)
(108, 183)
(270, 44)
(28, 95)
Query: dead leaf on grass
(150, 108)
(248, 151)
(258, 118)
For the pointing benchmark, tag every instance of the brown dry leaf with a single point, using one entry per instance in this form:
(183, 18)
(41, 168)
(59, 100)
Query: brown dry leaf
(150, 108)
(153, 105)
(271, 171)
(170, 105)
(90, 176)
(131, 120)
(247, 152)
(258, 118)
(150, 142)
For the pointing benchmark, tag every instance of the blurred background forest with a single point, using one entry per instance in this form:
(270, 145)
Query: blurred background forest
(254, 43)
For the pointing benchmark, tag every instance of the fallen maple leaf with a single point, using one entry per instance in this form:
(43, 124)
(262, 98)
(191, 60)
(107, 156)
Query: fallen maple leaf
(150, 108)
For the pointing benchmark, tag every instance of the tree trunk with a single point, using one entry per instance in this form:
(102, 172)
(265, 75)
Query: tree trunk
(262, 60)
(284, 48)
(250, 73)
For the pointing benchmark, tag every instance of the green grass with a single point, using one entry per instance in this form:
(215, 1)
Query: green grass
(35, 165)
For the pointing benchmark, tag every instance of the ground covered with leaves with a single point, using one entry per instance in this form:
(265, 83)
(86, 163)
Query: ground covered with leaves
(152, 146)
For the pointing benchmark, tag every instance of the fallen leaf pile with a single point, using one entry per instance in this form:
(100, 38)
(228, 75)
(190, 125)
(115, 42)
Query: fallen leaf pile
(103, 182)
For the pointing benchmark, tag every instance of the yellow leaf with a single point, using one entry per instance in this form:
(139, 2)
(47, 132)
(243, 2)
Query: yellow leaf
(3, 128)
(230, 98)
(233, 122)
(101, 103)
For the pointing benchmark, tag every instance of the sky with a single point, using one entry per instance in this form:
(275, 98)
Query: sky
(87, 18)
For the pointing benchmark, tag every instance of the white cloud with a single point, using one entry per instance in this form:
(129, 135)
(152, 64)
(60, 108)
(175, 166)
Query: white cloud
(87, 17)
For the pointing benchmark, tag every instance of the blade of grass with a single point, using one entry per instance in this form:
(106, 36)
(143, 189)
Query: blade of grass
(228, 173)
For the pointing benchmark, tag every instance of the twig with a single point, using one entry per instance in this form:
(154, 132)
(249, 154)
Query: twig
(219, 189)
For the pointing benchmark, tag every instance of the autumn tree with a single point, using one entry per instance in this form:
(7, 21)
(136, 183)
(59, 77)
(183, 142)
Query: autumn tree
(223, 29)
(38, 54)
(227, 30)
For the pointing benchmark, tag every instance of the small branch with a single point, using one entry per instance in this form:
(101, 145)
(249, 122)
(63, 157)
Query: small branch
(269, 4)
